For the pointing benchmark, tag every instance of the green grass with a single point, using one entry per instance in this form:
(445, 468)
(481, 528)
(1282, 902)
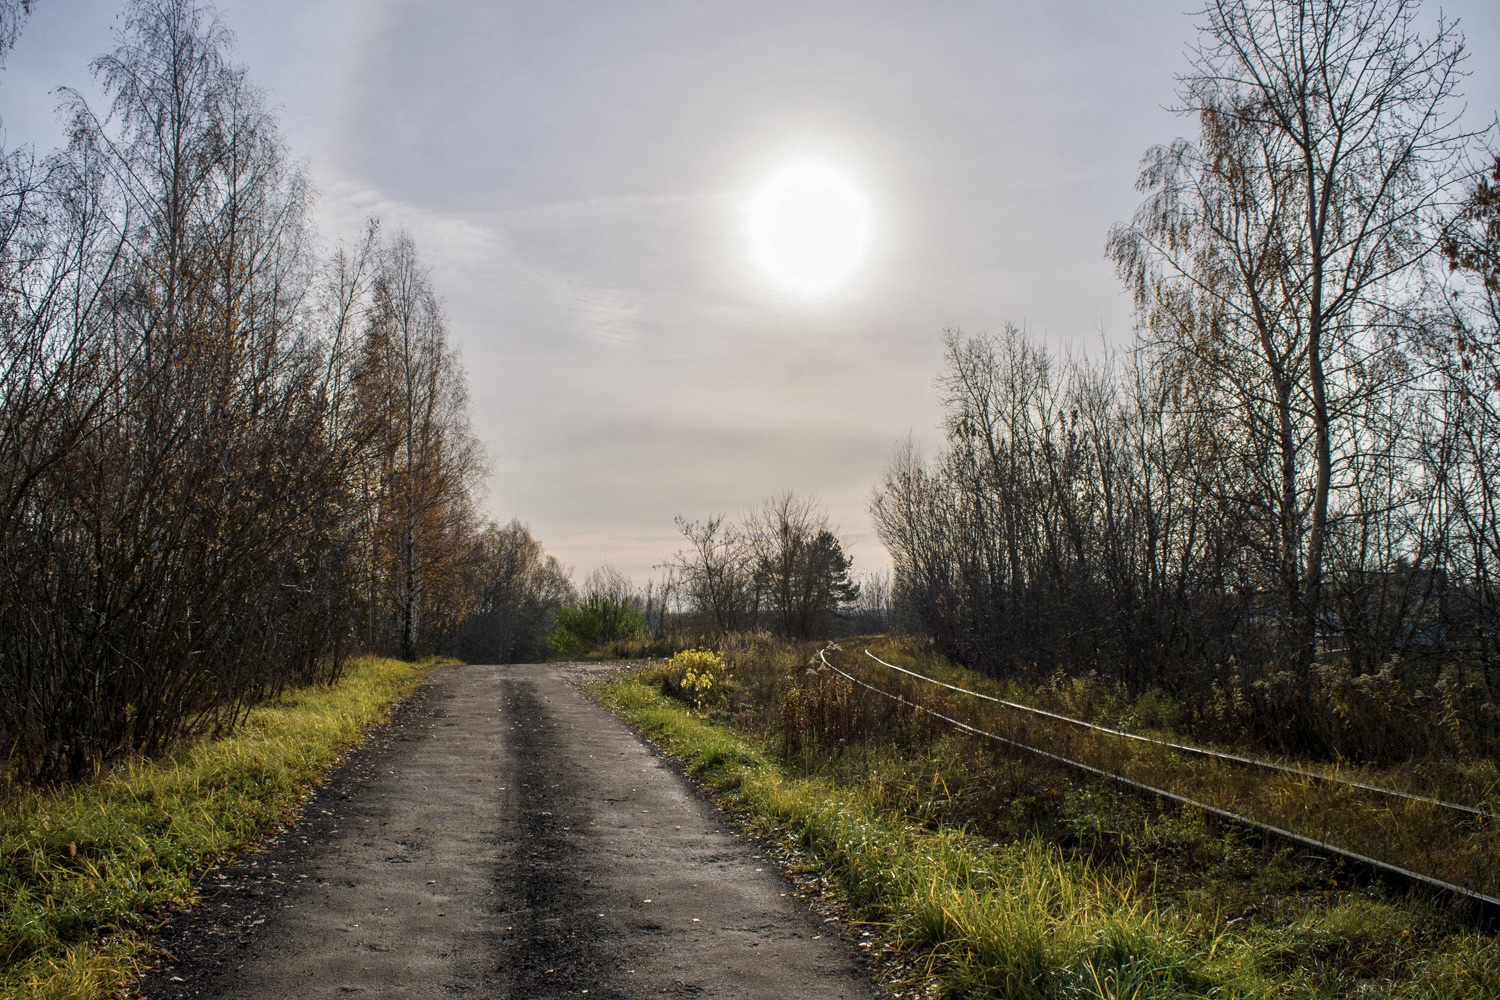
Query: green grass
(980, 885)
(87, 871)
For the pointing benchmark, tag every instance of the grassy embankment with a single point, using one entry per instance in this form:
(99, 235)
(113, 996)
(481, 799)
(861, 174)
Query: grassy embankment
(87, 871)
(978, 873)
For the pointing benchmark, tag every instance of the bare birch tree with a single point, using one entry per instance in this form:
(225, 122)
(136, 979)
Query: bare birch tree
(1271, 254)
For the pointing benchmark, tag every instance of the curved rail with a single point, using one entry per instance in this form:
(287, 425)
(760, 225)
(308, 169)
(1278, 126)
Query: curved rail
(1202, 751)
(1487, 907)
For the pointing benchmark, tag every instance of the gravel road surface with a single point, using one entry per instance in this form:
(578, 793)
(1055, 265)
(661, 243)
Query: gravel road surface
(505, 837)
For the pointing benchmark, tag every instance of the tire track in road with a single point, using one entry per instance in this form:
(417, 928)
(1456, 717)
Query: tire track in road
(547, 945)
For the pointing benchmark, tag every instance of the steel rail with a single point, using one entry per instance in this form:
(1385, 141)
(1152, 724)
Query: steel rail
(1487, 908)
(1202, 751)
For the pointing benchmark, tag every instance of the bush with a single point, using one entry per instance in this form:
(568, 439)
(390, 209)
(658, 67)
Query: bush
(597, 619)
(694, 676)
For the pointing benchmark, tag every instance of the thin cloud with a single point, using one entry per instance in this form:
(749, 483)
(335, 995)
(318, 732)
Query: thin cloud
(585, 210)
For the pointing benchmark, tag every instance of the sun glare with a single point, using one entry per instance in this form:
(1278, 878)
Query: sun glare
(809, 227)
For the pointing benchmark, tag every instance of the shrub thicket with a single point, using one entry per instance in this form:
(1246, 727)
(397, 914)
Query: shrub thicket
(224, 461)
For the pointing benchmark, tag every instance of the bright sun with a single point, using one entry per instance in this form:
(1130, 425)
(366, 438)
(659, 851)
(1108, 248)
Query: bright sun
(809, 227)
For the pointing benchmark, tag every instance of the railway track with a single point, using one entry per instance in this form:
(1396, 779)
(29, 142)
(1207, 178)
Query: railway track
(1483, 910)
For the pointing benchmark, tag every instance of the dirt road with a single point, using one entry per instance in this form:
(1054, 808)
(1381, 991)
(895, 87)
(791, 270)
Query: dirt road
(505, 837)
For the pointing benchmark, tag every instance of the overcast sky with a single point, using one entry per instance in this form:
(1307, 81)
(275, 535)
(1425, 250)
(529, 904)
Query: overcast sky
(576, 174)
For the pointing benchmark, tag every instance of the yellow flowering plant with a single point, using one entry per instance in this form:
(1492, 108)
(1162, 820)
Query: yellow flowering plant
(694, 674)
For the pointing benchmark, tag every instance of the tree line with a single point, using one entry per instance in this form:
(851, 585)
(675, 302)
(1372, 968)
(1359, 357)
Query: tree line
(227, 458)
(779, 567)
(1281, 502)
